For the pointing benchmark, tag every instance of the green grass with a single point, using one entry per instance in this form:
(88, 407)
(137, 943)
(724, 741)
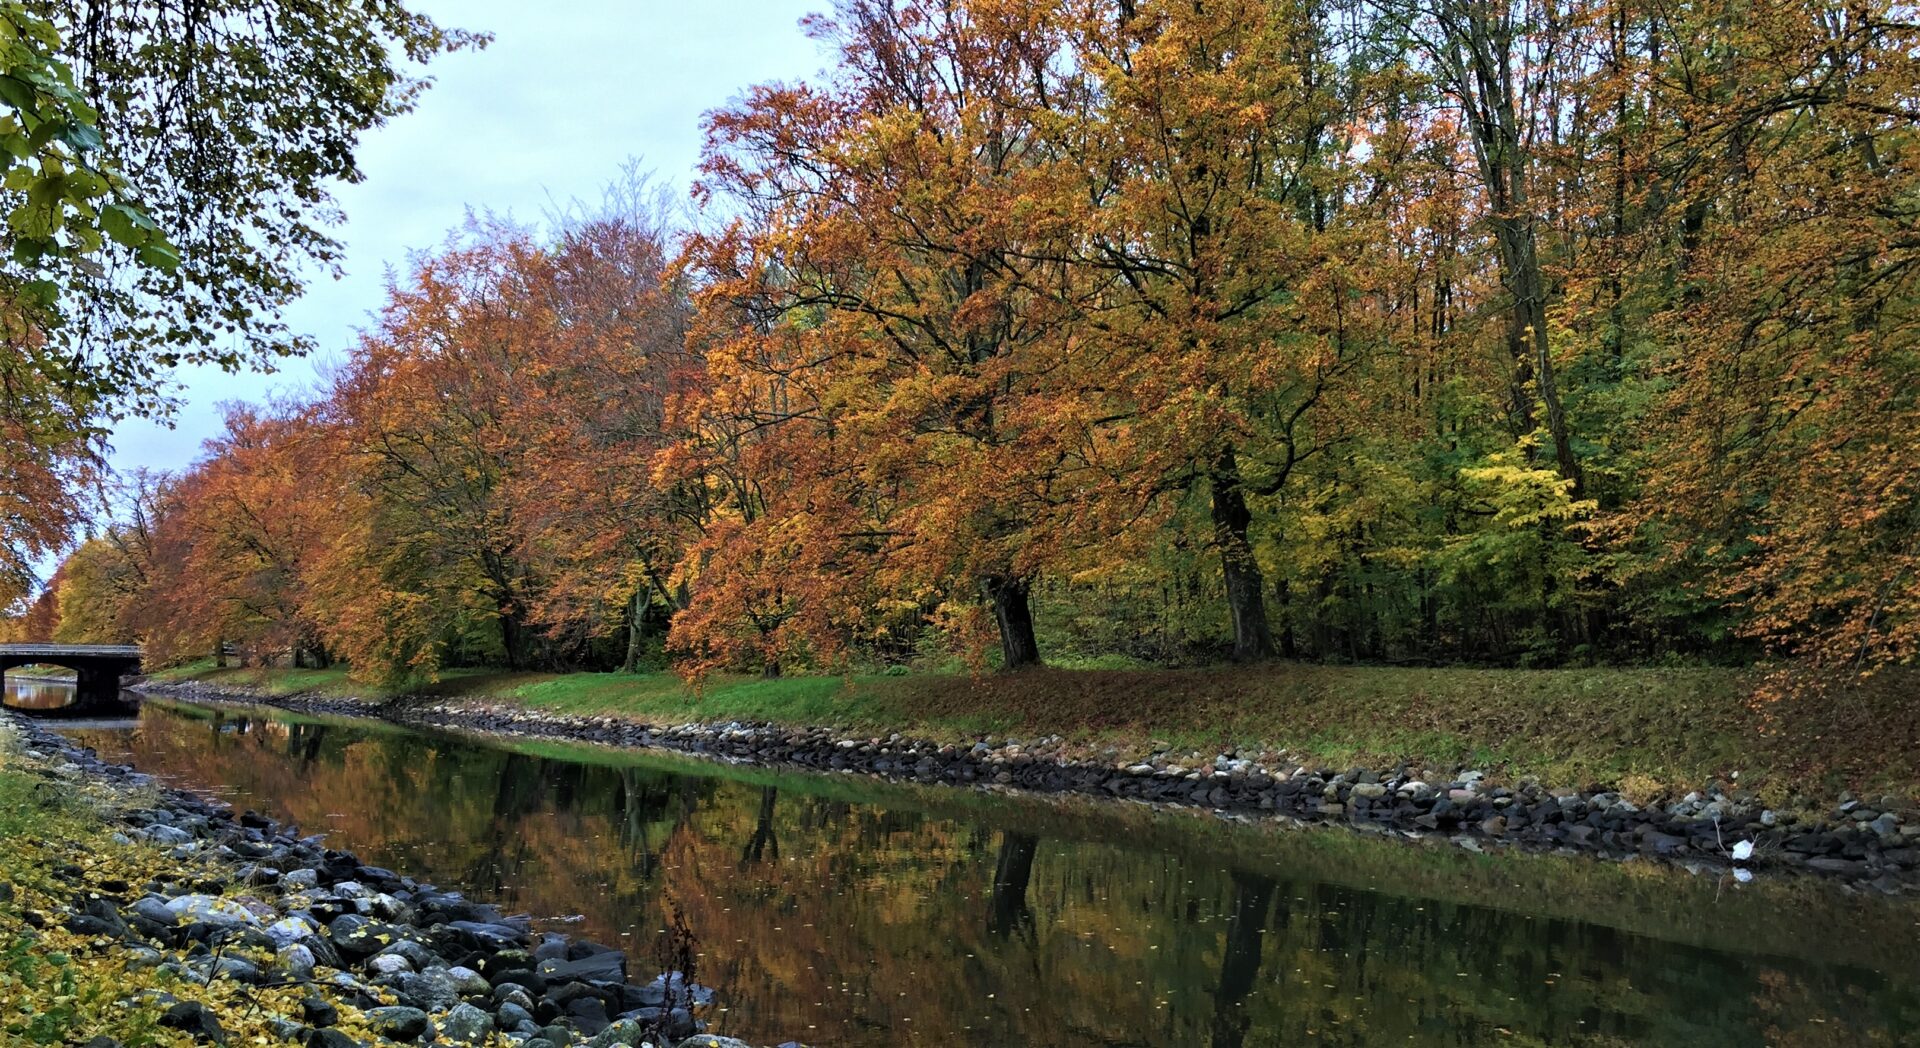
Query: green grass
(1646, 728)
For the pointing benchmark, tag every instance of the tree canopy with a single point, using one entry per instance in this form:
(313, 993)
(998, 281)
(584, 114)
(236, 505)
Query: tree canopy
(1350, 330)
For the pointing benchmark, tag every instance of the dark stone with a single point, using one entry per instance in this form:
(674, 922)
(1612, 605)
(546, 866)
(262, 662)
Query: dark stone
(318, 1011)
(488, 936)
(330, 1038)
(589, 1014)
(89, 925)
(534, 982)
(607, 967)
(196, 1020)
(398, 1022)
(1661, 844)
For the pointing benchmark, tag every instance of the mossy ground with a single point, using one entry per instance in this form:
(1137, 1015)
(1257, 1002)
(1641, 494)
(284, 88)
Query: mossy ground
(1649, 729)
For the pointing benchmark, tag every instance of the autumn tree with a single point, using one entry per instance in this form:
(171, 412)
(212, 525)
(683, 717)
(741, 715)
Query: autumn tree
(1221, 145)
(592, 415)
(1782, 237)
(888, 323)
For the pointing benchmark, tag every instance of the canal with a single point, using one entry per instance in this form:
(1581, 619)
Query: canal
(842, 911)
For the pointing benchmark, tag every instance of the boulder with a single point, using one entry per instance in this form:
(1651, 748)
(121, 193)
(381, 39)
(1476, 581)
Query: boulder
(196, 1020)
(398, 1022)
(466, 1024)
(433, 989)
(607, 967)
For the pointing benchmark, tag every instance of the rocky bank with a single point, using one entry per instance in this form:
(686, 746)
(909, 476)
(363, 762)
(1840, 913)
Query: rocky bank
(373, 956)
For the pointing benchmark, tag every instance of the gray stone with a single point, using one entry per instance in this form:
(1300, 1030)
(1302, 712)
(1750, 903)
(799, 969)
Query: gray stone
(300, 880)
(708, 1040)
(466, 1024)
(289, 930)
(140, 957)
(389, 964)
(398, 1022)
(297, 960)
(210, 909)
(432, 989)
(155, 909)
(469, 982)
(512, 993)
(234, 969)
(412, 952)
(623, 1032)
(167, 835)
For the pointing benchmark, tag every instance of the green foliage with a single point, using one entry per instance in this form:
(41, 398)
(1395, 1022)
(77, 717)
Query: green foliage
(65, 202)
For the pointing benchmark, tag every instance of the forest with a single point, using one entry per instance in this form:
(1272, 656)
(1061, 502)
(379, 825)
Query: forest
(1148, 332)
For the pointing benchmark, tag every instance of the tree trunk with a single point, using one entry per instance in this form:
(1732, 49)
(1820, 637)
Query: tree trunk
(770, 668)
(511, 639)
(1246, 597)
(1289, 645)
(220, 653)
(1014, 616)
(636, 630)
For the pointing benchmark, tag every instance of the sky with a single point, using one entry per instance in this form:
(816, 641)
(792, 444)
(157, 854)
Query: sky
(566, 95)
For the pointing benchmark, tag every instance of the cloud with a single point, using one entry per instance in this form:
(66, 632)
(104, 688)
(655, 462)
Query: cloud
(566, 94)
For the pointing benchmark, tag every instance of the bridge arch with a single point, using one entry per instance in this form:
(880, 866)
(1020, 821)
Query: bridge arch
(98, 669)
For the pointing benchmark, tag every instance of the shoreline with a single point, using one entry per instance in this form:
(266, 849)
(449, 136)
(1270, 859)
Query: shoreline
(1864, 845)
(256, 932)
(39, 678)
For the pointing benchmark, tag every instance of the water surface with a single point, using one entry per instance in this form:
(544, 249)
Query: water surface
(35, 694)
(842, 911)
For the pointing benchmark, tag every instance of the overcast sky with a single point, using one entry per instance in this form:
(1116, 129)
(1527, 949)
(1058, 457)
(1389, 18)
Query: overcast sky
(550, 112)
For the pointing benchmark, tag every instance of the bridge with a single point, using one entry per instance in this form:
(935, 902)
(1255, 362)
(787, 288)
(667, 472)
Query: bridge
(98, 667)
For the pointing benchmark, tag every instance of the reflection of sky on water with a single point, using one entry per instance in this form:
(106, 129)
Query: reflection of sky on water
(26, 694)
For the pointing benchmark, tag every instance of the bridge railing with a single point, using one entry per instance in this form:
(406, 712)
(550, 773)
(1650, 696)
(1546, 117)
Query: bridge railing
(69, 650)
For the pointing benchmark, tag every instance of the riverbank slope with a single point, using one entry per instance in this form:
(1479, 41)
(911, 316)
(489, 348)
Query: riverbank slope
(1647, 733)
